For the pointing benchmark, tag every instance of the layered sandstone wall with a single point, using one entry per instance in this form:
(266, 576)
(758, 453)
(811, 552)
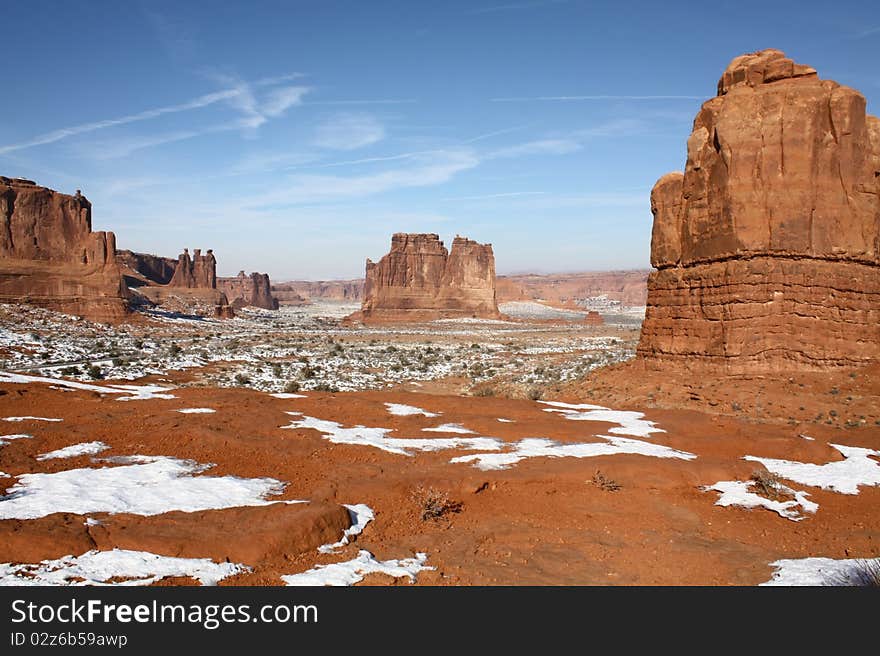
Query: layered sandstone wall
(297, 292)
(630, 288)
(767, 247)
(150, 268)
(420, 280)
(50, 257)
(253, 290)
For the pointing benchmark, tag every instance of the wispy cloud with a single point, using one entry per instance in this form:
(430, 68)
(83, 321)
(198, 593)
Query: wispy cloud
(239, 96)
(64, 133)
(593, 97)
(863, 34)
(495, 133)
(538, 147)
(378, 101)
(512, 194)
(427, 171)
(349, 132)
(514, 6)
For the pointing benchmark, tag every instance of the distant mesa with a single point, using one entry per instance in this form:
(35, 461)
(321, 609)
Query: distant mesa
(301, 292)
(254, 290)
(419, 280)
(767, 247)
(593, 318)
(50, 257)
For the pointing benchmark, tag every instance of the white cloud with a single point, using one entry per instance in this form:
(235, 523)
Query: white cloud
(304, 189)
(539, 147)
(349, 131)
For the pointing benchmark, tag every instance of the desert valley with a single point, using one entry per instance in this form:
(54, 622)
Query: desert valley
(711, 420)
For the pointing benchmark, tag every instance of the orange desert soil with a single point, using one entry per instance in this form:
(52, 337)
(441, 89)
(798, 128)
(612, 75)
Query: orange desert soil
(542, 521)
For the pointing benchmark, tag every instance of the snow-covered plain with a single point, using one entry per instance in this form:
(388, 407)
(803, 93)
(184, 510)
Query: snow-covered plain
(353, 571)
(99, 567)
(141, 485)
(739, 493)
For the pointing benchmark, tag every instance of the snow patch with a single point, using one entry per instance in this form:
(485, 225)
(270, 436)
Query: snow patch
(288, 395)
(4, 439)
(843, 476)
(535, 447)
(821, 571)
(83, 449)
(361, 515)
(407, 410)
(449, 428)
(142, 485)
(738, 493)
(98, 567)
(354, 571)
(629, 422)
(196, 411)
(29, 418)
(378, 438)
(132, 392)
(506, 421)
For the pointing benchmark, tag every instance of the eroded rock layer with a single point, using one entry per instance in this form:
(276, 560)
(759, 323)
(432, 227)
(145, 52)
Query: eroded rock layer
(50, 257)
(146, 268)
(254, 290)
(420, 280)
(767, 248)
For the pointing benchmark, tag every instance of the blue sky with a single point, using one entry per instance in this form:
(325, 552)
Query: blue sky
(295, 137)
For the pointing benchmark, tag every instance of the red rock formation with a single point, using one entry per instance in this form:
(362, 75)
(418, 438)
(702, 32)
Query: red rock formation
(767, 248)
(198, 272)
(419, 280)
(298, 292)
(630, 288)
(146, 268)
(254, 290)
(593, 318)
(50, 257)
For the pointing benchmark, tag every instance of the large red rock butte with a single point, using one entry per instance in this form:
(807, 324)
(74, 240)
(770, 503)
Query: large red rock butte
(254, 290)
(767, 248)
(50, 257)
(420, 280)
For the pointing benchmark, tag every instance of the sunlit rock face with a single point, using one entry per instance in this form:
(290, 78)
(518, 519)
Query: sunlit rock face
(767, 247)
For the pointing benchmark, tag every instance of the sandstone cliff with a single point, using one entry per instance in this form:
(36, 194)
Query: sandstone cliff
(630, 288)
(145, 268)
(298, 292)
(767, 248)
(419, 280)
(254, 290)
(50, 257)
(199, 272)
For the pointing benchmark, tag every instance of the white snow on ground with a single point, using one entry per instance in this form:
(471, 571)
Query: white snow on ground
(506, 421)
(98, 567)
(738, 493)
(144, 485)
(354, 571)
(630, 423)
(843, 476)
(536, 447)
(4, 439)
(196, 411)
(288, 395)
(29, 418)
(406, 410)
(361, 515)
(132, 392)
(84, 449)
(449, 428)
(378, 438)
(821, 571)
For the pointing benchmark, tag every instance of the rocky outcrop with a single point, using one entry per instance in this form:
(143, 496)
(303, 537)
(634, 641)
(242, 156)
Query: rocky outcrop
(298, 292)
(767, 248)
(50, 257)
(199, 272)
(254, 290)
(419, 280)
(629, 288)
(145, 268)
(593, 318)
